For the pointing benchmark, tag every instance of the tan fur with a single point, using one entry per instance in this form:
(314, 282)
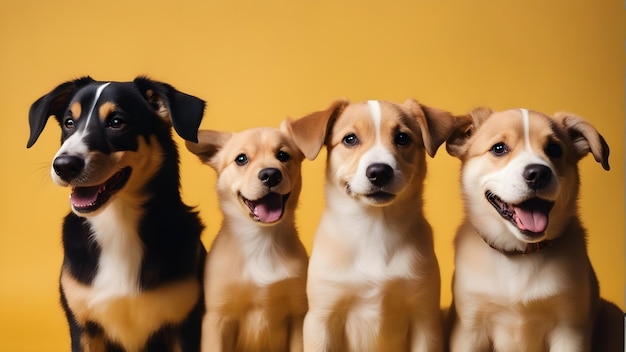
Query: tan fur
(503, 300)
(105, 109)
(255, 273)
(129, 319)
(75, 109)
(373, 279)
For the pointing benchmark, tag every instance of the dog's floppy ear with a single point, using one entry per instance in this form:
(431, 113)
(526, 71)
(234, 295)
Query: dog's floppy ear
(181, 110)
(309, 132)
(436, 125)
(585, 138)
(208, 144)
(54, 103)
(457, 142)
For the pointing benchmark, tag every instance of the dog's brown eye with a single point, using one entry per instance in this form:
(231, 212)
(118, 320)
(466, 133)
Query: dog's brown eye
(499, 149)
(241, 159)
(553, 150)
(283, 156)
(116, 123)
(350, 140)
(68, 123)
(401, 138)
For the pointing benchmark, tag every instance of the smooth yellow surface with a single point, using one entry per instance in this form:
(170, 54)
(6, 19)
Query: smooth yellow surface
(256, 62)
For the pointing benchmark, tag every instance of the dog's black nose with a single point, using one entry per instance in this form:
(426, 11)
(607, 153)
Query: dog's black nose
(270, 176)
(379, 174)
(537, 176)
(68, 166)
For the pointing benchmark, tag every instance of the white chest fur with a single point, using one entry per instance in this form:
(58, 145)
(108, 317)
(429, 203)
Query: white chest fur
(115, 231)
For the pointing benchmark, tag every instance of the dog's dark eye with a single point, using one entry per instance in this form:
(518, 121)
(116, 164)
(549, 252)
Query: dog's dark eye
(68, 123)
(116, 123)
(401, 138)
(553, 150)
(499, 149)
(283, 156)
(241, 159)
(350, 140)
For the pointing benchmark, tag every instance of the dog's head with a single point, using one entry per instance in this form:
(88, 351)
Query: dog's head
(115, 136)
(520, 174)
(258, 170)
(376, 149)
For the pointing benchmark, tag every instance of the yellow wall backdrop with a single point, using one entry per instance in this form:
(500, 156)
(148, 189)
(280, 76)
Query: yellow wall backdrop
(257, 62)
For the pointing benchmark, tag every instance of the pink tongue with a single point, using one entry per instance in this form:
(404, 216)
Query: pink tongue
(269, 208)
(84, 196)
(532, 217)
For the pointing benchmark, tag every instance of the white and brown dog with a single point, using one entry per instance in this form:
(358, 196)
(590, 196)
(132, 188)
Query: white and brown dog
(373, 280)
(256, 268)
(523, 280)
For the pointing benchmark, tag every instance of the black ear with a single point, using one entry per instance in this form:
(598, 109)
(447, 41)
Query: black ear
(54, 103)
(183, 111)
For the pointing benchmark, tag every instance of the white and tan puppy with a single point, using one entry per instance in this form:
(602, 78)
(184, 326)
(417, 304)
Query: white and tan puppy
(373, 280)
(523, 281)
(255, 274)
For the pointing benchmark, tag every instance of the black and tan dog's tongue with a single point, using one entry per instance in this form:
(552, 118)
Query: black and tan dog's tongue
(532, 215)
(267, 209)
(84, 196)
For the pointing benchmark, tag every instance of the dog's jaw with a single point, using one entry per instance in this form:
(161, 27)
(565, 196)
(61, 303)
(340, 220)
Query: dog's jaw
(376, 197)
(530, 217)
(268, 209)
(89, 199)
(507, 215)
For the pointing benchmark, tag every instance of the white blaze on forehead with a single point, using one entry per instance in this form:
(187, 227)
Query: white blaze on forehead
(526, 122)
(375, 113)
(377, 153)
(95, 100)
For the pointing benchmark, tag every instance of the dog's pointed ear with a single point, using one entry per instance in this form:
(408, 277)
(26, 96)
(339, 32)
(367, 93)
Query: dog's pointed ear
(181, 110)
(456, 144)
(208, 144)
(310, 132)
(585, 138)
(52, 104)
(436, 124)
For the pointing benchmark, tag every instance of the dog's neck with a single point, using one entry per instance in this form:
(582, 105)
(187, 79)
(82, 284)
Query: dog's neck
(530, 248)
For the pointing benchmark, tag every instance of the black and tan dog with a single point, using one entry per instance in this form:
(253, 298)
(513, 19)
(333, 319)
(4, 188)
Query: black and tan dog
(133, 259)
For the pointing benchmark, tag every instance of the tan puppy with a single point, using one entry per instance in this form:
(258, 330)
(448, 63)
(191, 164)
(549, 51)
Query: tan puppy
(255, 272)
(523, 281)
(373, 281)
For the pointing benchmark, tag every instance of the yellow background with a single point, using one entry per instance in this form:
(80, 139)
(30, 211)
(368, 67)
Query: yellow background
(256, 62)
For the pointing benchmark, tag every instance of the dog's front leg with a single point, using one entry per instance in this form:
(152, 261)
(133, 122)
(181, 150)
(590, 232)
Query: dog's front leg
(217, 336)
(464, 339)
(427, 335)
(296, 343)
(318, 334)
(90, 343)
(568, 338)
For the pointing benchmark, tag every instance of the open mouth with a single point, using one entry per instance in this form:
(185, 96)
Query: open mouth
(268, 209)
(88, 199)
(380, 197)
(530, 216)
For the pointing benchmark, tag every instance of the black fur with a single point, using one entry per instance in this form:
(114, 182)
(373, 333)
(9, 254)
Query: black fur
(169, 230)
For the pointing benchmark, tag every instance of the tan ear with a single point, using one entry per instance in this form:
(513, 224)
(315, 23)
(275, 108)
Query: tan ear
(436, 124)
(456, 145)
(309, 132)
(585, 138)
(209, 143)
